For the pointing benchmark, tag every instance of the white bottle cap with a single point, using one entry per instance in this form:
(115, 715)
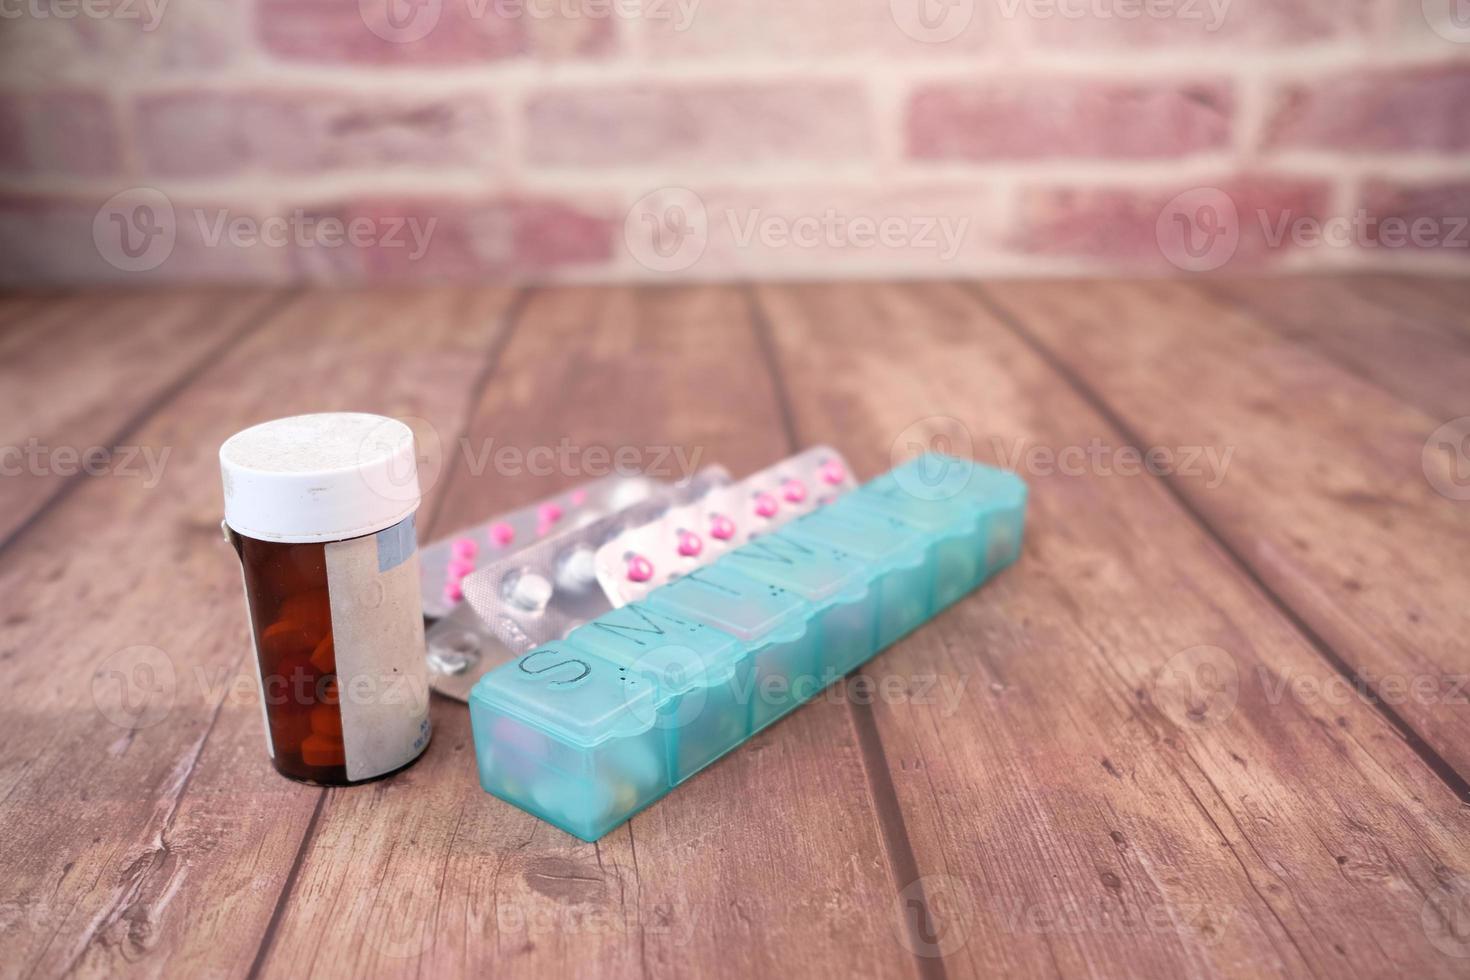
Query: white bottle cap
(319, 477)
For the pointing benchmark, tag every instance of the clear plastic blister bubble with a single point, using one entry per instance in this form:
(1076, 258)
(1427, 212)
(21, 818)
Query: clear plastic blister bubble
(632, 564)
(541, 591)
(445, 564)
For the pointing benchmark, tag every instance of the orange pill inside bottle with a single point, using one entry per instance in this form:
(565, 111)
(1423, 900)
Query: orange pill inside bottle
(320, 510)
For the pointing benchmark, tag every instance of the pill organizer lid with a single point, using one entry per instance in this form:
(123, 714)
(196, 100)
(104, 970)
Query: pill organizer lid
(319, 477)
(938, 477)
(677, 654)
(721, 596)
(571, 694)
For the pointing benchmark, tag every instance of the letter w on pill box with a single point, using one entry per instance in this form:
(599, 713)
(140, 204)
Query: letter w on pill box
(586, 731)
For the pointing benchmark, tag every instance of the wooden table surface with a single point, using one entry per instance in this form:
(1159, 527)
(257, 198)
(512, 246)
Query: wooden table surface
(1214, 722)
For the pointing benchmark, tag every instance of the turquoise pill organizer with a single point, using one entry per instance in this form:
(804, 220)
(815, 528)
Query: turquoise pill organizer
(587, 731)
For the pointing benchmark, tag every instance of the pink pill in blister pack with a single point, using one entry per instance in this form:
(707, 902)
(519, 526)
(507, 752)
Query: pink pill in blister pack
(640, 569)
(731, 515)
(690, 544)
(445, 563)
(721, 528)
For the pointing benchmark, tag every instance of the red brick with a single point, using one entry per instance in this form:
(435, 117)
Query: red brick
(425, 31)
(699, 124)
(1120, 226)
(801, 28)
(1040, 118)
(1127, 24)
(59, 133)
(49, 239)
(1408, 109)
(1418, 217)
(197, 34)
(462, 240)
(202, 133)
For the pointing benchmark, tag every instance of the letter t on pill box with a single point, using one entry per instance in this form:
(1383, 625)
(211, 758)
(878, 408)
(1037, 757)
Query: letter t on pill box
(321, 510)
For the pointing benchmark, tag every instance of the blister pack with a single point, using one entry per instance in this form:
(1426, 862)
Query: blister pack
(444, 564)
(542, 591)
(643, 557)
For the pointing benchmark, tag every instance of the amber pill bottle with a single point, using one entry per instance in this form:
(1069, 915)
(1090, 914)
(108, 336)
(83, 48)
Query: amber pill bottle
(320, 509)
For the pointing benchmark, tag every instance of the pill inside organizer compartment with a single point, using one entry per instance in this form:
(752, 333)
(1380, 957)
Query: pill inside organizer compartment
(971, 512)
(571, 737)
(901, 580)
(702, 674)
(775, 623)
(831, 579)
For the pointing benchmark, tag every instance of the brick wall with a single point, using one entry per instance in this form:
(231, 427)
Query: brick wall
(350, 140)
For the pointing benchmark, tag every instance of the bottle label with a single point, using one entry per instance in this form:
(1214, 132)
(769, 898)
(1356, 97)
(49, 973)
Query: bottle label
(378, 632)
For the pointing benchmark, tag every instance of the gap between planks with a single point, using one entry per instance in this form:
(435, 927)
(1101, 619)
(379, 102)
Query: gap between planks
(149, 409)
(1437, 764)
(509, 319)
(901, 859)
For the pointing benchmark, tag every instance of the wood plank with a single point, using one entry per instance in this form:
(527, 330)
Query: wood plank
(1447, 299)
(1122, 789)
(1326, 498)
(177, 838)
(771, 862)
(78, 371)
(1410, 353)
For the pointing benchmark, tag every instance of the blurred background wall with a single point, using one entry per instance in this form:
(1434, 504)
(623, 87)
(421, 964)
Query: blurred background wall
(344, 141)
